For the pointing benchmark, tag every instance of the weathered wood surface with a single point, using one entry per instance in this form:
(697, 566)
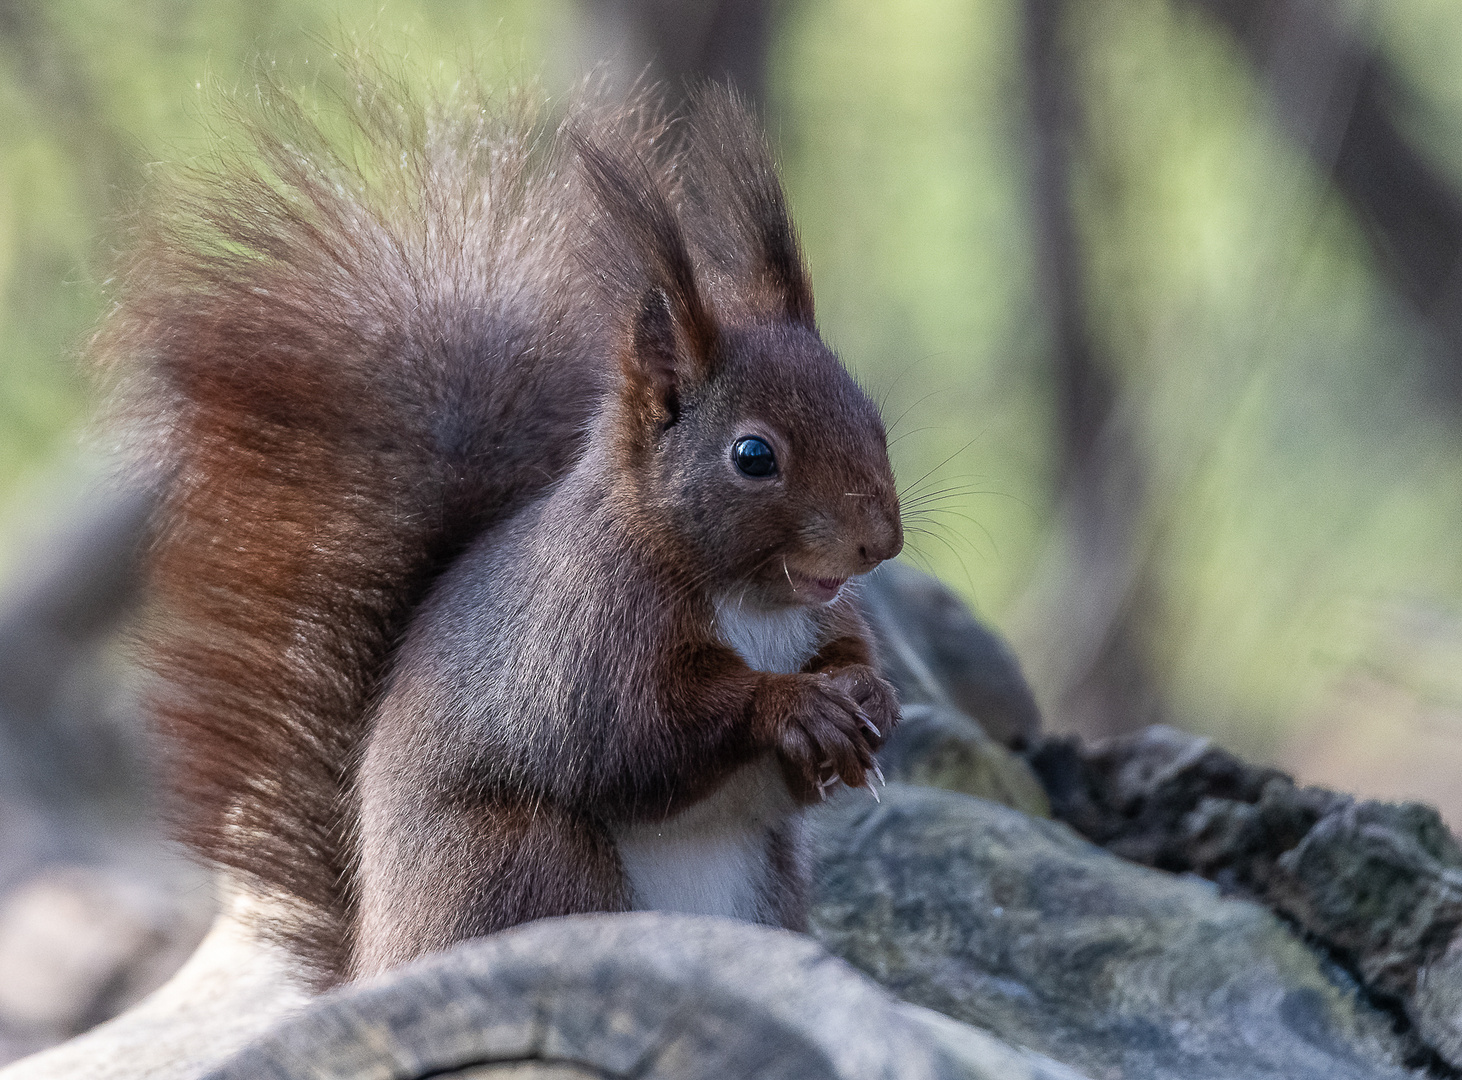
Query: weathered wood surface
(1022, 928)
(647, 995)
(231, 990)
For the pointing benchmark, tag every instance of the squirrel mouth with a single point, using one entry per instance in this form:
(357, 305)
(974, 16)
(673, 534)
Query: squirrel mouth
(817, 590)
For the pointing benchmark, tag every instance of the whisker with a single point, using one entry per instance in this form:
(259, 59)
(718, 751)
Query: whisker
(964, 567)
(912, 407)
(994, 547)
(912, 431)
(952, 492)
(889, 389)
(948, 459)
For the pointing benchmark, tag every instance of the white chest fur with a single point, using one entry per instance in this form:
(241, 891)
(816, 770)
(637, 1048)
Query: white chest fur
(715, 858)
(780, 641)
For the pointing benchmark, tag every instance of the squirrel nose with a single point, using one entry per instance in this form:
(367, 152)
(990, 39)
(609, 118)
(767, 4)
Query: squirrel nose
(883, 540)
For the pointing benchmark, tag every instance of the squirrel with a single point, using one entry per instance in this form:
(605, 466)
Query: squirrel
(508, 511)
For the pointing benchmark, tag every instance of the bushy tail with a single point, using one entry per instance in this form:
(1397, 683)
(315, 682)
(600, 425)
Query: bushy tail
(345, 352)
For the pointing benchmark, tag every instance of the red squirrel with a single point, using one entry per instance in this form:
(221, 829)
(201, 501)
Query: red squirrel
(510, 502)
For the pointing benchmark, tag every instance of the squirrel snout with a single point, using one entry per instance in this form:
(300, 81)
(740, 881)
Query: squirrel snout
(882, 539)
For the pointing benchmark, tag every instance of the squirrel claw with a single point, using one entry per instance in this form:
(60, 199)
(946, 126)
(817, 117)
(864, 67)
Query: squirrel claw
(872, 727)
(873, 791)
(879, 773)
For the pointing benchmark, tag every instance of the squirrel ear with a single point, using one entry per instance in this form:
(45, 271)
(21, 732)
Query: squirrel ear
(649, 366)
(673, 340)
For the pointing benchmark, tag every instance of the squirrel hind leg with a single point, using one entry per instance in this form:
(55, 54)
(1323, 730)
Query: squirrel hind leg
(462, 871)
(787, 852)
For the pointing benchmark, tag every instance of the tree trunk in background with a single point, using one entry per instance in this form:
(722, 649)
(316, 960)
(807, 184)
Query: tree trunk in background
(682, 42)
(1336, 98)
(1082, 615)
(58, 86)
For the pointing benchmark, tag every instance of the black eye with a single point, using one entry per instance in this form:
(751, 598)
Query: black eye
(754, 458)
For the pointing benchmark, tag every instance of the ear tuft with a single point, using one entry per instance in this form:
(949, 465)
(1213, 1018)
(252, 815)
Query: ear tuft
(743, 222)
(674, 339)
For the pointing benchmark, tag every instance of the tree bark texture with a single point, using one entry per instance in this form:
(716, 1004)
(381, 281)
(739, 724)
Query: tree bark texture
(1337, 97)
(683, 42)
(1101, 680)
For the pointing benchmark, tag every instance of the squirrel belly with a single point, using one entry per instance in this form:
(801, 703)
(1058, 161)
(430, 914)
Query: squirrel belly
(736, 854)
(739, 852)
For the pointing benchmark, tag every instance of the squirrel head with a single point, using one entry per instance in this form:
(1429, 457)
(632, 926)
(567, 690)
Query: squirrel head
(742, 443)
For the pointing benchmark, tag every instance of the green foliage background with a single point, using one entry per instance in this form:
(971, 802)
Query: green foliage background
(1302, 536)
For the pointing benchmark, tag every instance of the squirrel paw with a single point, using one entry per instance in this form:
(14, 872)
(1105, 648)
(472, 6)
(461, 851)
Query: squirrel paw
(837, 721)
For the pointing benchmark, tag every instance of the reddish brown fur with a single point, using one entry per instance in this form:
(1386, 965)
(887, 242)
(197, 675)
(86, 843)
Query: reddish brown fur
(356, 379)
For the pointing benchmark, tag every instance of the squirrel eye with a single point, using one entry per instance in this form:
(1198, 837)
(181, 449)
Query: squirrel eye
(754, 458)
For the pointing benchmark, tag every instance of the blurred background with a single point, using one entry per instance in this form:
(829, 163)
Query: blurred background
(1163, 297)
